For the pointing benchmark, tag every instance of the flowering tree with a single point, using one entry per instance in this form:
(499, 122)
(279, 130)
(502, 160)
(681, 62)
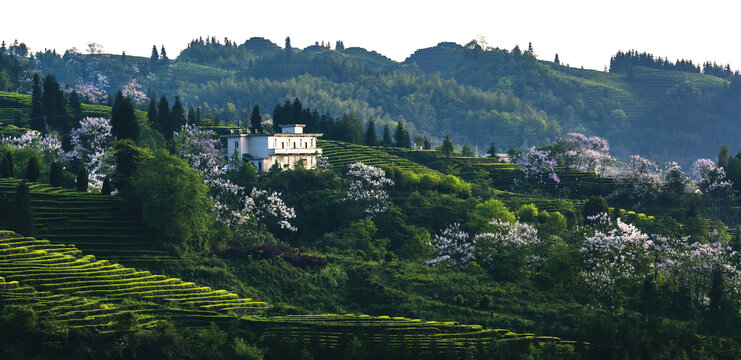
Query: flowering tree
(88, 93)
(454, 247)
(367, 187)
(645, 176)
(505, 251)
(538, 165)
(91, 145)
(133, 90)
(709, 176)
(269, 207)
(613, 254)
(323, 163)
(48, 145)
(589, 154)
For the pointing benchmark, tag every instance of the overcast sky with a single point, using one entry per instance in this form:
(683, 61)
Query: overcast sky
(583, 33)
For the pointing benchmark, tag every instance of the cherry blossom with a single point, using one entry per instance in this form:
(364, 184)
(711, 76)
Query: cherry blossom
(709, 176)
(91, 145)
(538, 165)
(133, 90)
(48, 145)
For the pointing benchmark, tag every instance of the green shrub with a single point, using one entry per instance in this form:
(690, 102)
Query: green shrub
(527, 213)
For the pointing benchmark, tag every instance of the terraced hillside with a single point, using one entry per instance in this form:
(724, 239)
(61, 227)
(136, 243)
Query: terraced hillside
(95, 223)
(341, 154)
(78, 290)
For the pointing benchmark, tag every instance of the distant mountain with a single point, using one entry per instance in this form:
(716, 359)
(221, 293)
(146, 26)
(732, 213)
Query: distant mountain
(476, 95)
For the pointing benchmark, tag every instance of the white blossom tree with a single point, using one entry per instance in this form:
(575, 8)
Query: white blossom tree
(454, 247)
(91, 145)
(368, 188)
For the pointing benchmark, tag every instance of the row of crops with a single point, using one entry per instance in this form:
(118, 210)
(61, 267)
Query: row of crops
(341, 154)
(332, 334)
(64, 285)
(94, 223)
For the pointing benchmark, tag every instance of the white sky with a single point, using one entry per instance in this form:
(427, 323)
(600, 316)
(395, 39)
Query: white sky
(583, 33)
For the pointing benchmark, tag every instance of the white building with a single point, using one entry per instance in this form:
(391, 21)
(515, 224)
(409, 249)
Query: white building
(287, 148)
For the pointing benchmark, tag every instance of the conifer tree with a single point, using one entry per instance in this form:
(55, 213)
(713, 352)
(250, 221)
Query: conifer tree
(401, 136)
(76, 106)
(387, 140)
(491, 152)
(163, 54)
(123, 118)
(37, 122)
(371, 138)
(152, 113)
(22, 213)
(155, 54)
(6, 169)
(177, 115)
(467, 152)
(106, 188)
(82, 179)
(288, 49)
(56, 178)
(192, 116)
(163, 117)
(427, 145)
(256, 119)
(556, 60)
(447, 147)
(32, 170)
(53, 104)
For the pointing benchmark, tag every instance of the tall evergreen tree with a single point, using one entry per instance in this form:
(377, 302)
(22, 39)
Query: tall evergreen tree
(447, 147)
(53, 104)
(387, 139)
(163, 54)
(163, 116)
(76, 106)
(37, 122)
(192, 116)
(371, 138)
(123, 118)
(467, 152)
(56, 177)
(556, 60)
(32, 170)
(198, 115)
(401, 136)
(82, 179)
(22, 213)
(6, 169)
(491, 152)
(256, 119)
(106, 189)
(177, 115)
(152, 113)
(723, 156)
(155, 54)
(288, 49)
(427, 145)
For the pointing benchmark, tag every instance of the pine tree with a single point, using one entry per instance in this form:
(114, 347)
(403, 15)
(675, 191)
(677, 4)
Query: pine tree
(56, 178)
(198, 115)
(22, 214)
(491, 152)
(82, 180)
(37, 122)
(466, 151)
(155, 54)
(152, 113)
(177, 115)
(256, 120)
(163, 54)
(6, 169)
(401, 136)
(558, 62)
(371, 138)
(387, 140)
(123, 118)
(288, 49)
(32, 170)
(106, 188)
(76, 106)
(447, 147)
(53, 104)
(192, 116)
(163, 118)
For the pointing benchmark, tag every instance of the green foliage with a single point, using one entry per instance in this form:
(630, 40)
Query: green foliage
(56, 176)
(447, 146)
(484, 213)
(6, 169)
(172, 199)
(123, 119)
(595, 205)
(527, 213)
(22, 219)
